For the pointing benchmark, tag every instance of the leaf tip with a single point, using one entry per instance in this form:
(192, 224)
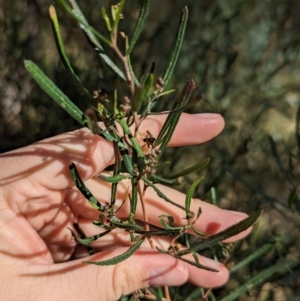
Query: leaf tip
(26, 63)
(52, 11)
(185, 11)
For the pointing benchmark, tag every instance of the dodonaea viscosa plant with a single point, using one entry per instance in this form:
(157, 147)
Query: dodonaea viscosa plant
(118, 114)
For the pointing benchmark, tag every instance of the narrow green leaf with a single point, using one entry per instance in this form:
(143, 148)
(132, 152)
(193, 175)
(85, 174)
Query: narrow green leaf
(169, 232)
(121, 257)
(156, 294)
(65, 5)
(77, 14)
(133, 199)
(196, 294)
(213, 193)
(106, 19)
(111, 137)
(121, 144)
(145, 76)
(127, 225)
(188, 197)
(58, 39)
(142, 92)
(180, 102)
(170, 218)
(191, 169)
(148, 87)
(158, 179)
(83, 189)
(195, 255)
(62, 53)
(253, 256)
(196, 231)
(91, 34)
(54, 92)
(127, 160)
(117, 169)
(199, 213)
(197, 264)
(171, 227)
(199, 233)
(176, 46)
(88, 240)
(133, 140)
(123, 201)
(178, 110)
(110, 63)
(114, 179)
(231, 231)
(137, 99)
(261, 278)
(81, 235)
(160, 194)
(139, 25)
(136, 81)
(165, 225)
(166, 92)
(117, 13)
(144, 89)
(163, 164)
(170, 124)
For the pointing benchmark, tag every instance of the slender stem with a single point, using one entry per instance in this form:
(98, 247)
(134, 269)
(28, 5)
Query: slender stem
(142, 195)
(137, 123)
(145, 215)
(167, 293)
(173, 242)
(152, 297)
(123, 59)
(206, 295)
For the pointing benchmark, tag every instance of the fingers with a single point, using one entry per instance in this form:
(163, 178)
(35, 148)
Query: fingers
(200, 128)
(197, 276)
(80, 281)
(211, 221)
(46, 163)
(204, 278)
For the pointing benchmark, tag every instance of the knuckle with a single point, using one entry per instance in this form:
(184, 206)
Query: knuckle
(124, 279)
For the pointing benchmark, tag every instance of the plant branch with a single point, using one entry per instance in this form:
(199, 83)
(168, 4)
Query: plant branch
(124, 60)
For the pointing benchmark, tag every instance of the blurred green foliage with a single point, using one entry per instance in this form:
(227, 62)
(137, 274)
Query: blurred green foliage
(245, 58)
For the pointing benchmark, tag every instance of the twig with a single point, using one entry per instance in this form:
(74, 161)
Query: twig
(123, 59)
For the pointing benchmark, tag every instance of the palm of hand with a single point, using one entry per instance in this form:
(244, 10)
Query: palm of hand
(40, 204)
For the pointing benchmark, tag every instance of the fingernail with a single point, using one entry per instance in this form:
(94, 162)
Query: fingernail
(208, 115)
(171, 276)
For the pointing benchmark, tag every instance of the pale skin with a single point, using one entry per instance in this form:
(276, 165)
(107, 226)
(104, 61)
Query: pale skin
(38, 203)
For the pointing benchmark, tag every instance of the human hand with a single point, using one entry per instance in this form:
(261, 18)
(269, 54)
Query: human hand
(38, 203)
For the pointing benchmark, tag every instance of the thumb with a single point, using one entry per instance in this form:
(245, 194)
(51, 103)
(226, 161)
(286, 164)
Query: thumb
(76, 280)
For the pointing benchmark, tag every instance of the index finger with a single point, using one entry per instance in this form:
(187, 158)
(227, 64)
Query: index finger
(46, 163)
